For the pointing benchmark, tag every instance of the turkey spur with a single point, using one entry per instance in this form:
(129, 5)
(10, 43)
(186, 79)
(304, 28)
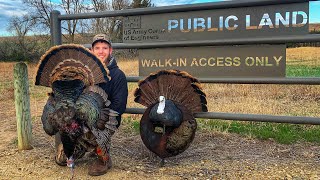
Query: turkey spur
(77, 108)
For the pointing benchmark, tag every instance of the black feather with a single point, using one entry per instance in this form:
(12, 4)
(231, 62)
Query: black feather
(68, 144)
(67, 89)
(172, 116)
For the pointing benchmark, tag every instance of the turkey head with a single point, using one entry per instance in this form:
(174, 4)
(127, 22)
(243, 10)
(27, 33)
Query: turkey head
(76, 104)
(168, 126)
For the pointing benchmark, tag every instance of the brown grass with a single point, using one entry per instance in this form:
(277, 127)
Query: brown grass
(237, 98)
(309, 56)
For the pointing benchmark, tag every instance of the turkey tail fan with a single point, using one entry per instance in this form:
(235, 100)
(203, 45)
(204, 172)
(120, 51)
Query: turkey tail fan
(70, 62)
(148, 92)
(175, 85)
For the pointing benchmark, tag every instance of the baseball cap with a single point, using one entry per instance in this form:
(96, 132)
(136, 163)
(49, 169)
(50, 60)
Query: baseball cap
(101, 37)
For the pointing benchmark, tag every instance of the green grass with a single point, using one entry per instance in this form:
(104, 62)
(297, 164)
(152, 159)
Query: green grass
(130, 125)
(136, 126)
(302, 71)
(281, 133)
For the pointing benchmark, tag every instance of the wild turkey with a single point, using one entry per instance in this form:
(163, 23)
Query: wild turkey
(168, 127)
(77, 108)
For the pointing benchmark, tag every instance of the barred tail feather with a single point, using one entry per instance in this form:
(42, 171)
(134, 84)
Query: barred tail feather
(99, 91)
(70, 62)
(103, 137)
(175, 85)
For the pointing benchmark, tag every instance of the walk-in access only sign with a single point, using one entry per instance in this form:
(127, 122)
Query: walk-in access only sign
(233, 61)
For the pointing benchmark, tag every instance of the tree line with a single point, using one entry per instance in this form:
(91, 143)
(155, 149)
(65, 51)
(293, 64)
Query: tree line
(31, 32)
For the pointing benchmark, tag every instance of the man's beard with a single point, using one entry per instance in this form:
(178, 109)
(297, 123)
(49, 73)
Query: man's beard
(107, 59)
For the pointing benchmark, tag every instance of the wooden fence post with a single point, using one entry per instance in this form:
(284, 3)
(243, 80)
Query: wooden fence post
(22, 104)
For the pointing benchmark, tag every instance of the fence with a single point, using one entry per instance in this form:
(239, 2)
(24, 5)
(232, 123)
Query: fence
(56, 34)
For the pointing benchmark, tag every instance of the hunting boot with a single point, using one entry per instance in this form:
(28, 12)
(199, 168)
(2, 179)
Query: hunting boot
(100, 165)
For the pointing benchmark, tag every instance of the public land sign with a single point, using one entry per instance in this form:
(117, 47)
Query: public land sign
(273, 20)
(232, 23)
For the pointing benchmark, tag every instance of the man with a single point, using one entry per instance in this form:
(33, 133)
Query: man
(117, 90)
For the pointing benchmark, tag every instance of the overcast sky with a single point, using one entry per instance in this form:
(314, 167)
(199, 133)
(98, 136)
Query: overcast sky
(9, 8)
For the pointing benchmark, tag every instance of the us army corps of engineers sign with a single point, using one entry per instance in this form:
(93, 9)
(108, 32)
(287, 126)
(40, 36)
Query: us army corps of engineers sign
(241, 61)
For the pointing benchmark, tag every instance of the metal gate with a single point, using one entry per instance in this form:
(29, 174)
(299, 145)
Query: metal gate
(56, 39)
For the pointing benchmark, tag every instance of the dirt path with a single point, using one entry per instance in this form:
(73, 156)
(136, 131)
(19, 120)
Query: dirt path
(210, 156)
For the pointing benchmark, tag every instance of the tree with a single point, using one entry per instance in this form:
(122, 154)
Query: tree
(99, 25)
(112, 25)
(21, 25)
(141, 4)
(25, 47)
(40, 11)
(72, 7)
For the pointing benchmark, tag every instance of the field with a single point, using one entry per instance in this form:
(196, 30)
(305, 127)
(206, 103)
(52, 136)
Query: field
(221, 149)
